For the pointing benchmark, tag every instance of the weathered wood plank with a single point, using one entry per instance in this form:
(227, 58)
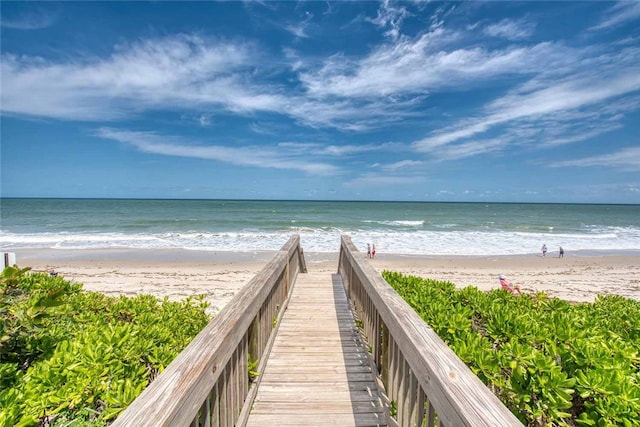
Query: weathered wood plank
(318, 371)
(317, 377)
(334, 407)
(314, 388)
(321, 356)
(331, 368)
(342, 420)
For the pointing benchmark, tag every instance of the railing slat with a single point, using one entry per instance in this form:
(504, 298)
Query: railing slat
(413, 400)
(215, 412)
(209, 367)
(454, 392)
(420, 410)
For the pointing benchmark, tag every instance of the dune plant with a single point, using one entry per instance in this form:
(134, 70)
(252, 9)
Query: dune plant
(70, 355)
(551, 362)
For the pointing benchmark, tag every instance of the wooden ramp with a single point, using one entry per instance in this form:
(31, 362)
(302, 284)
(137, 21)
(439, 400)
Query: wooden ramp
(318, 373)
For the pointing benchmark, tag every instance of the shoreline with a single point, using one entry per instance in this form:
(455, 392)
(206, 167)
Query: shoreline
(179, 273)
(192, 255)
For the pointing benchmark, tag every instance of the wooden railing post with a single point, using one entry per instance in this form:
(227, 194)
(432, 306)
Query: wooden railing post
(207, 383)
(422, 376)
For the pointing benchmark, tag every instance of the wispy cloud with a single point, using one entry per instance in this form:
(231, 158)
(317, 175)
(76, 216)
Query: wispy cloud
(574, 101)
(511, 30)
(402, 172)
(388, 85)
(184, 71)
(402, 165)
(204, 120)
(626, 159)
(621, 13)
(334, 150)
(263, 128)
(35, 19)
(180, 73)
(470, 148)
(390, 17)
(299, 29)
(424, 64)
(256, 156)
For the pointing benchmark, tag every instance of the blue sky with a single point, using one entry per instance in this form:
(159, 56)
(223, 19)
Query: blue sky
(438, 101)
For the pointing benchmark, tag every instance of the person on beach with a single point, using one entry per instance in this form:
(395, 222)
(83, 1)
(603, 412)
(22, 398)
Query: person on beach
(561, 253)
(373, 250)
(544, 249)
(368, 250)
(508, 286)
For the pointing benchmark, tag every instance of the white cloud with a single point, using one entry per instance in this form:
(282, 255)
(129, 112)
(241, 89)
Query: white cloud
(387, 86)
(348, 113)
(35, 19)
(511, 30)
(178, 73)
(297, 30)
(402, 165)
(342, 150)
(424, 64)
(264, 128)
(390, 16)
(471, 148)
(621, 13)
(397, 173)
(300, 29)
(183, 72)
(317, 149)
(626, 159)
(204, 120)
(263, 157)
(570, 100)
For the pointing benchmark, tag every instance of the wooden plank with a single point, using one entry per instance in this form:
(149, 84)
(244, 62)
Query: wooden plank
(317, 377)
(321, 356)
(321, 392)
(312, 420)
(341, 407)
(326, 368)
(318, 371)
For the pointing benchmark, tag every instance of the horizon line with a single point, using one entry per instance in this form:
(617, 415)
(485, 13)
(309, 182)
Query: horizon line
(316, 200)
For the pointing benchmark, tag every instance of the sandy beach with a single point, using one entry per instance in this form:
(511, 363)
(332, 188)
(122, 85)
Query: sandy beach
(177, 274)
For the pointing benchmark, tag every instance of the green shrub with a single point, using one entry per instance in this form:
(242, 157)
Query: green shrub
(549, 361)
(70, 355)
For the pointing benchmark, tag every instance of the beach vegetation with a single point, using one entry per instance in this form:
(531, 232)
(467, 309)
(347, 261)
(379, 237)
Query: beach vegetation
(253, 369)
(551, 362)
(68, 355)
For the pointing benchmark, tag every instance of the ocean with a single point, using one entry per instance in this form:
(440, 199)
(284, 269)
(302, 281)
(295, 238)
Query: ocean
(412, 228)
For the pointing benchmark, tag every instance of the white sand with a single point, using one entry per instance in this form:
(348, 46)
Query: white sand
(219, 275)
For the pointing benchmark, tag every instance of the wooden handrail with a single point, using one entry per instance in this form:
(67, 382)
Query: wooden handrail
(208, 382)
(420, 373)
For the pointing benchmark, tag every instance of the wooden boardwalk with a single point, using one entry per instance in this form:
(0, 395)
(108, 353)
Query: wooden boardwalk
(318, 373)
(315, 368)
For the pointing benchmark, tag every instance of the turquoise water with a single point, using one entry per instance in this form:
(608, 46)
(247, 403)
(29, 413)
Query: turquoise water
(395, 227)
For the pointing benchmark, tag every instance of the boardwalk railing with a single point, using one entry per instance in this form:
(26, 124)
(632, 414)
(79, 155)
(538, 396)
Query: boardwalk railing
(208, 383)
(427, 381)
